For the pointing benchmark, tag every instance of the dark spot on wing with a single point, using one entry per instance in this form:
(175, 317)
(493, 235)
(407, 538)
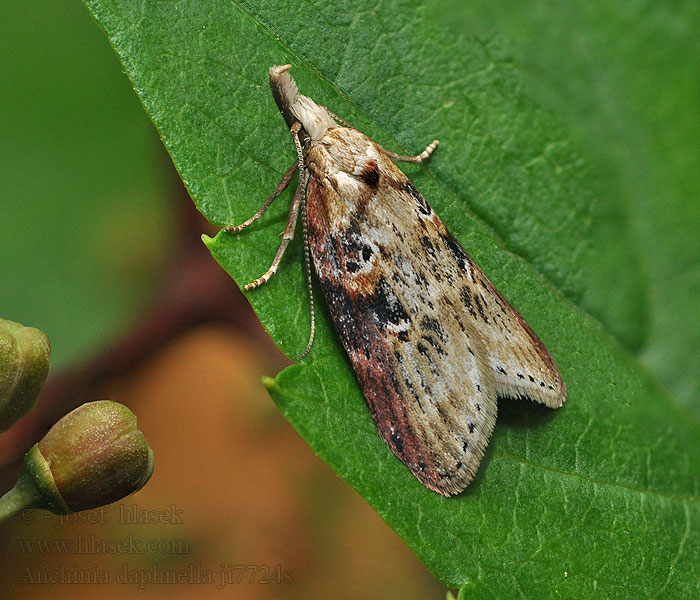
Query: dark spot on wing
(370, 174)
(386, 306)
(459, 254)
(466, 297)
(480, 308)
(352, 238)
(428, 245)
(421, 204)
(421, 281)
(434, 343)
(397, 441)
(433, 325)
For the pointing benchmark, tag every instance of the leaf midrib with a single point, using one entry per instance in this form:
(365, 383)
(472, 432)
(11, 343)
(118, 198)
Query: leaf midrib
(611, 484)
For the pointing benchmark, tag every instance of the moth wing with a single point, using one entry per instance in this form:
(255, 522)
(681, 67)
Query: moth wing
(521, 365)
(432, 341)
(423, 368)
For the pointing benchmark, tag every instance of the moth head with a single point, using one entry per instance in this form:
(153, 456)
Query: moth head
(294, 106)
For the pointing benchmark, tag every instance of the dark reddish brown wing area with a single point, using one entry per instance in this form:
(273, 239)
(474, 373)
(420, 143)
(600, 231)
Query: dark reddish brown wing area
(364, 339)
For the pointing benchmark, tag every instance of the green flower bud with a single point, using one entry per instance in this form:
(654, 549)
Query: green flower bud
(93, 456)
(24, 365)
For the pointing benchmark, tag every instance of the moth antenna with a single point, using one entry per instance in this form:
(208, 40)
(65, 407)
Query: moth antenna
(336, 117)
(300, 151)
(309, 284)
(281, 186)
(307, 251)
(418, 158)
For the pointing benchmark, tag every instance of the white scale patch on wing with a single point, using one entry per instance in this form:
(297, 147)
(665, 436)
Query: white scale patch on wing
(521, 365)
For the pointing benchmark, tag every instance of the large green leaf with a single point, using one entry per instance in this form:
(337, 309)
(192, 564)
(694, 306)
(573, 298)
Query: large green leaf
(598, 499)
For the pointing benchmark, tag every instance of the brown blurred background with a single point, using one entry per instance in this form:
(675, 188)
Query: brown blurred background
(235, 493)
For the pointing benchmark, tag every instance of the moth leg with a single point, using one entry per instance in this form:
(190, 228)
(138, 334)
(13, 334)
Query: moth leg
(286, 238)
(298, 200)
(281, 186)
(411, 159)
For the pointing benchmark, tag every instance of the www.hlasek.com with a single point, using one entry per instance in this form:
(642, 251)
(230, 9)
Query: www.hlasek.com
(93, 544)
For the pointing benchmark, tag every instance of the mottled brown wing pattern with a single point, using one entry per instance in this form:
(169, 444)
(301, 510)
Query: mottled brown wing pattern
(412, 310)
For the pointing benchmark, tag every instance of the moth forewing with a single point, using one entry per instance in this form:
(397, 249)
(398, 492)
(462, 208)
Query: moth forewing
(431, 340)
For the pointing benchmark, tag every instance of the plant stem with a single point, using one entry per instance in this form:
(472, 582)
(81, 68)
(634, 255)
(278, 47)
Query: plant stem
(16, 500)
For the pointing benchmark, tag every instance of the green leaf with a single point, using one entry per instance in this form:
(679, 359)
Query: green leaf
(598, 499)
(624, 78)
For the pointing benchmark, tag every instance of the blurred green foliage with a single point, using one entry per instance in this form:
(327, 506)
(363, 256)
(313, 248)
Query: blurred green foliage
(85, 180)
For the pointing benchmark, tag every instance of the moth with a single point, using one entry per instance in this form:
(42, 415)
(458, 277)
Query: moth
(433, 343)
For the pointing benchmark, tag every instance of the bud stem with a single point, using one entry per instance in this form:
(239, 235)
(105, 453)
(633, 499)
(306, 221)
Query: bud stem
(19, 498)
